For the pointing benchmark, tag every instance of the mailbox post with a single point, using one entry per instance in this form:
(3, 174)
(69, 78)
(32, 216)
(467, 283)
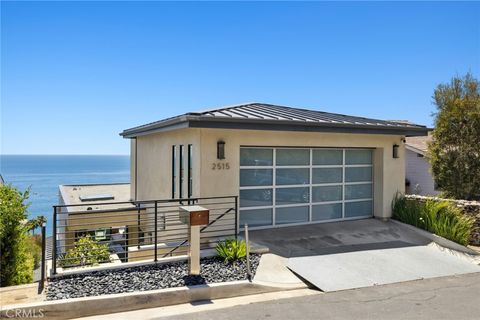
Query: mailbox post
(194, 217)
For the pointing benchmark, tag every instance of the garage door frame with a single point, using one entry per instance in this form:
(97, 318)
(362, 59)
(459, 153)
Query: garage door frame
(310, 185)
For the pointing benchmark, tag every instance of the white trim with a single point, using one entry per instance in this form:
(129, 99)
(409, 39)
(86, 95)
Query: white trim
(343, 184)
(274, 186)
(306, 223)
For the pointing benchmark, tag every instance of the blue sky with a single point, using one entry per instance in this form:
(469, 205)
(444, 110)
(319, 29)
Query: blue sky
(74, 74)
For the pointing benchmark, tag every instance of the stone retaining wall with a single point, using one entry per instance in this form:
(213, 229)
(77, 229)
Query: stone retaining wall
(469, 208)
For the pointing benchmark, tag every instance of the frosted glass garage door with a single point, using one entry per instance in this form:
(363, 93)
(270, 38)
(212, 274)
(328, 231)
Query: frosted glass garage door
(288, 186)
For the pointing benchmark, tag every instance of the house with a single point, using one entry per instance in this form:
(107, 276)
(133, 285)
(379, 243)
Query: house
(288, 166)
(417, 168)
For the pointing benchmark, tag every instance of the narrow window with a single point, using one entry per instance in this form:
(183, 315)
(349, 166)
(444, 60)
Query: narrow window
(180, 163)
(190, 164)
(174, 176)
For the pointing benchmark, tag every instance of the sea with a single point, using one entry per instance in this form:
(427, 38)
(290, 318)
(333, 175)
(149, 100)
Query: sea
(44, 173)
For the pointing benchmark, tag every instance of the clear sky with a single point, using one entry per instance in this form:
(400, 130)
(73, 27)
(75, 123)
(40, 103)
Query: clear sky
(75, 74)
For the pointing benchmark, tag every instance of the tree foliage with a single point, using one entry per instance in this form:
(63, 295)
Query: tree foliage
(85, 251)
(16, 262)
(454, 152)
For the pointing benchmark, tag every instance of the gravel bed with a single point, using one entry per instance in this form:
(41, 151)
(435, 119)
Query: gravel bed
(148, 277)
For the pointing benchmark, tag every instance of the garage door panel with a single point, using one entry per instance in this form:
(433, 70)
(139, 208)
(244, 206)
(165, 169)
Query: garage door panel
(256, 177)
(327, 157)
(358, 174)
(257, 217)
(292, 176)
(358, 191)
(292, 157)
(292, 195)
(289, 215)
(327, 175)
(329, 211)
(256, 157)
(358, 209)
(327, 193)
(256, 198)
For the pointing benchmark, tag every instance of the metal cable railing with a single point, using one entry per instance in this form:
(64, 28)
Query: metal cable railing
(118, 232)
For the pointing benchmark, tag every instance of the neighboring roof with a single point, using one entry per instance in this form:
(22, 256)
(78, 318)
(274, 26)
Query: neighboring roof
(73, 194)
(418, 144)
(262, 116)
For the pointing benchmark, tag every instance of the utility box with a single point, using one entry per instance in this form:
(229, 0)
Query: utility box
(194, 217)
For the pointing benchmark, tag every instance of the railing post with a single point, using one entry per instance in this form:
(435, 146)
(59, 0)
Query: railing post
(156, 231)
(236, 217)
(138, 226)
(54, 241)
(42, 272)
(247, 245)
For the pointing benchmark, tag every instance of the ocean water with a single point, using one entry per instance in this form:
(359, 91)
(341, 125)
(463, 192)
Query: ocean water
(44, 173)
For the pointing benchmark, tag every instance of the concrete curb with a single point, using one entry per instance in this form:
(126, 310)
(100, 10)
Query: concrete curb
(106, 304)
(437, 239)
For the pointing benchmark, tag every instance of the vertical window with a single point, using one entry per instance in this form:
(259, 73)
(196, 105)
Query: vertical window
(181, 172)
(189, 174)
(174, 176)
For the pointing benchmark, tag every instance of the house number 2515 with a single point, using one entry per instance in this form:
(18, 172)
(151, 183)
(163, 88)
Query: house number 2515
(220, 166)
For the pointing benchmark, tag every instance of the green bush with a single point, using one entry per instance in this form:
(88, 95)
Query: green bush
(231, 250)
(16, 261)
(34, 246)
(439, 217)
(86, 251)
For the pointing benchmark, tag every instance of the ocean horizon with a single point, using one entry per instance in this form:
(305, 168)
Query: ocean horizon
(44, 173)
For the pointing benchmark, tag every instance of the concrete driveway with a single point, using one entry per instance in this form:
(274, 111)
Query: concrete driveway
(361, 253)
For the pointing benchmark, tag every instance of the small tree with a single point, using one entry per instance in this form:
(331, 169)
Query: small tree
(16, 263)
(454, 152)
(86, 251)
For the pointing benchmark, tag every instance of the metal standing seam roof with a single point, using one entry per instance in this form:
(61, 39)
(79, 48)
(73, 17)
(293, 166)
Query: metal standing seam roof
(262, 116)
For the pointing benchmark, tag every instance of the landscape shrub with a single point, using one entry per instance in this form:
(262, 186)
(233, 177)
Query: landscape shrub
(439, 217)
(16, 261)
(231, 250)
(34, 247)
(86, 251)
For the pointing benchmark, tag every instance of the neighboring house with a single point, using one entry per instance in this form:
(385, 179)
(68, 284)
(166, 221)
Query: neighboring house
(418, 171)
(85, 214)
(288, 166)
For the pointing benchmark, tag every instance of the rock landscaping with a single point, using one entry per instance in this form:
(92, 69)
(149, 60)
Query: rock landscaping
(148, 277)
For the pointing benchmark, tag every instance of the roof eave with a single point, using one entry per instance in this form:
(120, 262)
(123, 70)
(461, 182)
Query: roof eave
(194, 121)
(416, 150)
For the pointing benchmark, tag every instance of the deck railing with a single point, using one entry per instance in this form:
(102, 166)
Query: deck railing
(107, 233)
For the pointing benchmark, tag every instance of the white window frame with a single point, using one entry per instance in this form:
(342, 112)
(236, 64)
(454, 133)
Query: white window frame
(310, 185)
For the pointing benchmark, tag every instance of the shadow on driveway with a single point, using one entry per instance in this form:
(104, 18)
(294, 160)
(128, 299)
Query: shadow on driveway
(336, 237)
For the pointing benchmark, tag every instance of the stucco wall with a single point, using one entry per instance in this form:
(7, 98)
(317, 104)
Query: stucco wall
(417, 171)
(154, 163)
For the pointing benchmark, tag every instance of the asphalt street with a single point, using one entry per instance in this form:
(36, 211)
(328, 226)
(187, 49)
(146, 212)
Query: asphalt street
(455, 297)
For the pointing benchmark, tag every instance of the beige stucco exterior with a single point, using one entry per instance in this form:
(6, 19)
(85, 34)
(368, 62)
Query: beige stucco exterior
(152, 177)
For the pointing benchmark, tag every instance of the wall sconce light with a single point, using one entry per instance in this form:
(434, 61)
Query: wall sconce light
(395, 151)
(221, 150)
